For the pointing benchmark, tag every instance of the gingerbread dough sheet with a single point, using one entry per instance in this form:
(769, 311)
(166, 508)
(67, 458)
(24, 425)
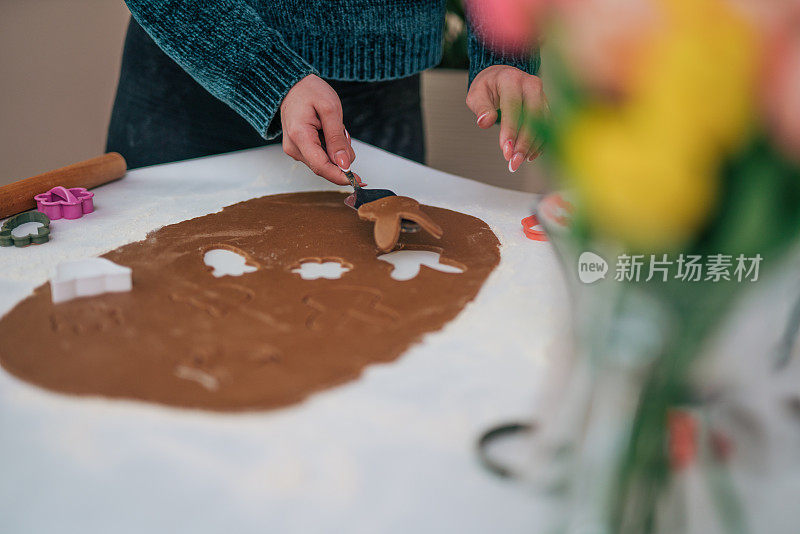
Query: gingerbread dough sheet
(264, 339)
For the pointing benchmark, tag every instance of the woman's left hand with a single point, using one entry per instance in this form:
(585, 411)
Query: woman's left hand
(516, 94)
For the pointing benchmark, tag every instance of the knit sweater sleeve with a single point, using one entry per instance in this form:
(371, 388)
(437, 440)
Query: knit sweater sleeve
(229, 50)
(483, 55)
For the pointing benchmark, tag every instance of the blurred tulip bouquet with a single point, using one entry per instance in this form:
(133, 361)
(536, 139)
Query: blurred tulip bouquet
(675, 126)
(651, 99)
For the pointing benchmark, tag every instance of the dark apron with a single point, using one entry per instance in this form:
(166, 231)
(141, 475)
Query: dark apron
(161, 114)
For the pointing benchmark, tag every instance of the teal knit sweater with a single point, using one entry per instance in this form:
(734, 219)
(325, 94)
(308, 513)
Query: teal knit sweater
(249, 53)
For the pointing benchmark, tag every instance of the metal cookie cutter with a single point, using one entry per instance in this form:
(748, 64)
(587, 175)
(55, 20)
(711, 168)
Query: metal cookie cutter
(42, 235)
(61, 202)
(363, 196)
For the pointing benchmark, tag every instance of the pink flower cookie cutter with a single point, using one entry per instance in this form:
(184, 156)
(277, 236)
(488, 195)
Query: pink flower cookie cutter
(63, 203)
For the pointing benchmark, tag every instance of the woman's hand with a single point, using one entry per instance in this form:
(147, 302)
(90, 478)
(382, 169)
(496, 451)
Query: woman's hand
(310, 106)
(517, 95)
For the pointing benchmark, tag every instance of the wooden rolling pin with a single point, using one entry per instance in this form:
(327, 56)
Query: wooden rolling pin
(18, 196)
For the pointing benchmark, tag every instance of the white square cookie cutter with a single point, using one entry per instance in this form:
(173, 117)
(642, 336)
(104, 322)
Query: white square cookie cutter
(88, 277)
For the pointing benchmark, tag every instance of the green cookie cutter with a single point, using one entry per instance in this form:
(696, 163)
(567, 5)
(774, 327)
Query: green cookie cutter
(42, 235)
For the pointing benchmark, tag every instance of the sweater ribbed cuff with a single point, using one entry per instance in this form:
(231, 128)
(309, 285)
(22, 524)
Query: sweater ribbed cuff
(482, 56)
(264, 84)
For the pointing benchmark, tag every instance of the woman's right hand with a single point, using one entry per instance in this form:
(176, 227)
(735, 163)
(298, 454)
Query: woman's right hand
(310, 106)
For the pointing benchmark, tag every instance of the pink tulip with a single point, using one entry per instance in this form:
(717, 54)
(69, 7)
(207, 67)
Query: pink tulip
(778, 22)
(601, 39)
(781, 91)
(767, 14)
(507, 25)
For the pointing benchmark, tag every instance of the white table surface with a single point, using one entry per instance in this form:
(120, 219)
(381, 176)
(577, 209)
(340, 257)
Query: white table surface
(390, 452)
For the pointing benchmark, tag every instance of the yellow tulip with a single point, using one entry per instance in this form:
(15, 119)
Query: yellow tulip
(642, 186)
(647, 169)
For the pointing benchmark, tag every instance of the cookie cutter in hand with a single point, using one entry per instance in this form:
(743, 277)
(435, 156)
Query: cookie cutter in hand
(363, 196)
(42, 235)
(61, 202)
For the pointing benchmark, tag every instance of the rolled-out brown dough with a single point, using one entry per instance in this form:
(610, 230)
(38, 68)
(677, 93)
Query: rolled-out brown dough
(260, 340)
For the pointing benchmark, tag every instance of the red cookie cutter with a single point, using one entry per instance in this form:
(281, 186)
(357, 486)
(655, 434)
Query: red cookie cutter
(61, 202)
(528, 227)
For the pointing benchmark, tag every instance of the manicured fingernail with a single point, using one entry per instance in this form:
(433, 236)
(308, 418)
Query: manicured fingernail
(508, 149)
(346, 133)
(341, 160)
(516, 162)
(483, 116)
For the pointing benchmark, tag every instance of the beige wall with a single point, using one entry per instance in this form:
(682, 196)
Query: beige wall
(456, 145)
(59, 61)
